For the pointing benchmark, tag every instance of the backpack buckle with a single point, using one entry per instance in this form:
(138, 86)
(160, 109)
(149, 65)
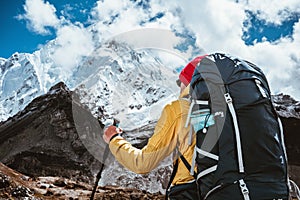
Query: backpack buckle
(244, 189)
(228, 98)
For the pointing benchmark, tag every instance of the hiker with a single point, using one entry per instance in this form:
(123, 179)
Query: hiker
(239, 151)
(169, 135)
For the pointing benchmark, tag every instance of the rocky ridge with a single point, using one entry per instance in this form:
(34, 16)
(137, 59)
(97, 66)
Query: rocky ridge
(42, 139)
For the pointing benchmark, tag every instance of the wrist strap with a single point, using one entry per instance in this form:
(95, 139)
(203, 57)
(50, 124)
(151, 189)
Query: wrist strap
(115, 135)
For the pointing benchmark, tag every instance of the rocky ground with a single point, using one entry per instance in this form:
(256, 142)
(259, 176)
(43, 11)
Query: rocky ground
(14, 185)
(43, 155)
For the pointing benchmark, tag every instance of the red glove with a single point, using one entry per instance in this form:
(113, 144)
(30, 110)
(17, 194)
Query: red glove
(109, 132)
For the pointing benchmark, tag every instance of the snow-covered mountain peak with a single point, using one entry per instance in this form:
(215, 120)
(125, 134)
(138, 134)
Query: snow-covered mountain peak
(19, 83)
(125, 83)
(112, 70)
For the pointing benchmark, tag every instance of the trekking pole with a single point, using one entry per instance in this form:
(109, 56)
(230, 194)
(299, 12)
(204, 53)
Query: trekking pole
(105, 155)
(106, 151)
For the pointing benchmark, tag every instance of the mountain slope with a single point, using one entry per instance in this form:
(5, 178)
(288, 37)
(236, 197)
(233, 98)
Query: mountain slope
(55, 135)
(42, 139)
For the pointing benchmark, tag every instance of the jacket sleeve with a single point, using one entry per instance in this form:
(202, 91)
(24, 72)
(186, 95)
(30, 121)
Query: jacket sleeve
(160, 145)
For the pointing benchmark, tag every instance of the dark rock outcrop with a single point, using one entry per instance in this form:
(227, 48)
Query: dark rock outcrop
(289, 112)
(42, 140)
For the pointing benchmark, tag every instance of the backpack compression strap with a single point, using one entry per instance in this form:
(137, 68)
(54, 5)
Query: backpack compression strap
(206, 154)
(228, 100)
(200, 151)
(242, 183)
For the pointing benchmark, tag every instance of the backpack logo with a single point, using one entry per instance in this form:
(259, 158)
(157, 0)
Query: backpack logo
(219, 114)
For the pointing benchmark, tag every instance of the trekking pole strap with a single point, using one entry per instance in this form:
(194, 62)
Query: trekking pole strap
(228, 100)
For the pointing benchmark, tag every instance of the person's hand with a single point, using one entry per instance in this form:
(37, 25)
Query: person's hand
(109, 132)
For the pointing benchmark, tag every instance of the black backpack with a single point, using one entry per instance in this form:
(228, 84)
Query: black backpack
(240, 151)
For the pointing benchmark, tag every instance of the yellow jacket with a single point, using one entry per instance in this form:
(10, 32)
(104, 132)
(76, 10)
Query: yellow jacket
(168, 133)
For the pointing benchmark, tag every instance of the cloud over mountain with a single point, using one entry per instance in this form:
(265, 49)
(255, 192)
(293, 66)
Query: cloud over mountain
(40, 16)
(215, 26)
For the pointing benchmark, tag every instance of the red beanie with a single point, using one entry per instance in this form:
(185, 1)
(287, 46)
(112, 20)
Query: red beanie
(186, 74)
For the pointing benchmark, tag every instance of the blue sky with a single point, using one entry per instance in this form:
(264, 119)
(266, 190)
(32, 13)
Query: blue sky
(264, 32)
(14, 34)
(16, 37)
(260, 29)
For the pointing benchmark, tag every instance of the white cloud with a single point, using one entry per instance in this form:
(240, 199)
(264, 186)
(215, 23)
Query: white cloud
(67, 12)
(218, 26)
(129, 17)
(113, 18)
(216, 23)
(105, 9)
(273, 11)
(40, 16)
(73, 42)
(131, 24)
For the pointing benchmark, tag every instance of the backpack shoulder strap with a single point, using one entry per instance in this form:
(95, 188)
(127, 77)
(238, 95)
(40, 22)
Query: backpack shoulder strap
(175, 168)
